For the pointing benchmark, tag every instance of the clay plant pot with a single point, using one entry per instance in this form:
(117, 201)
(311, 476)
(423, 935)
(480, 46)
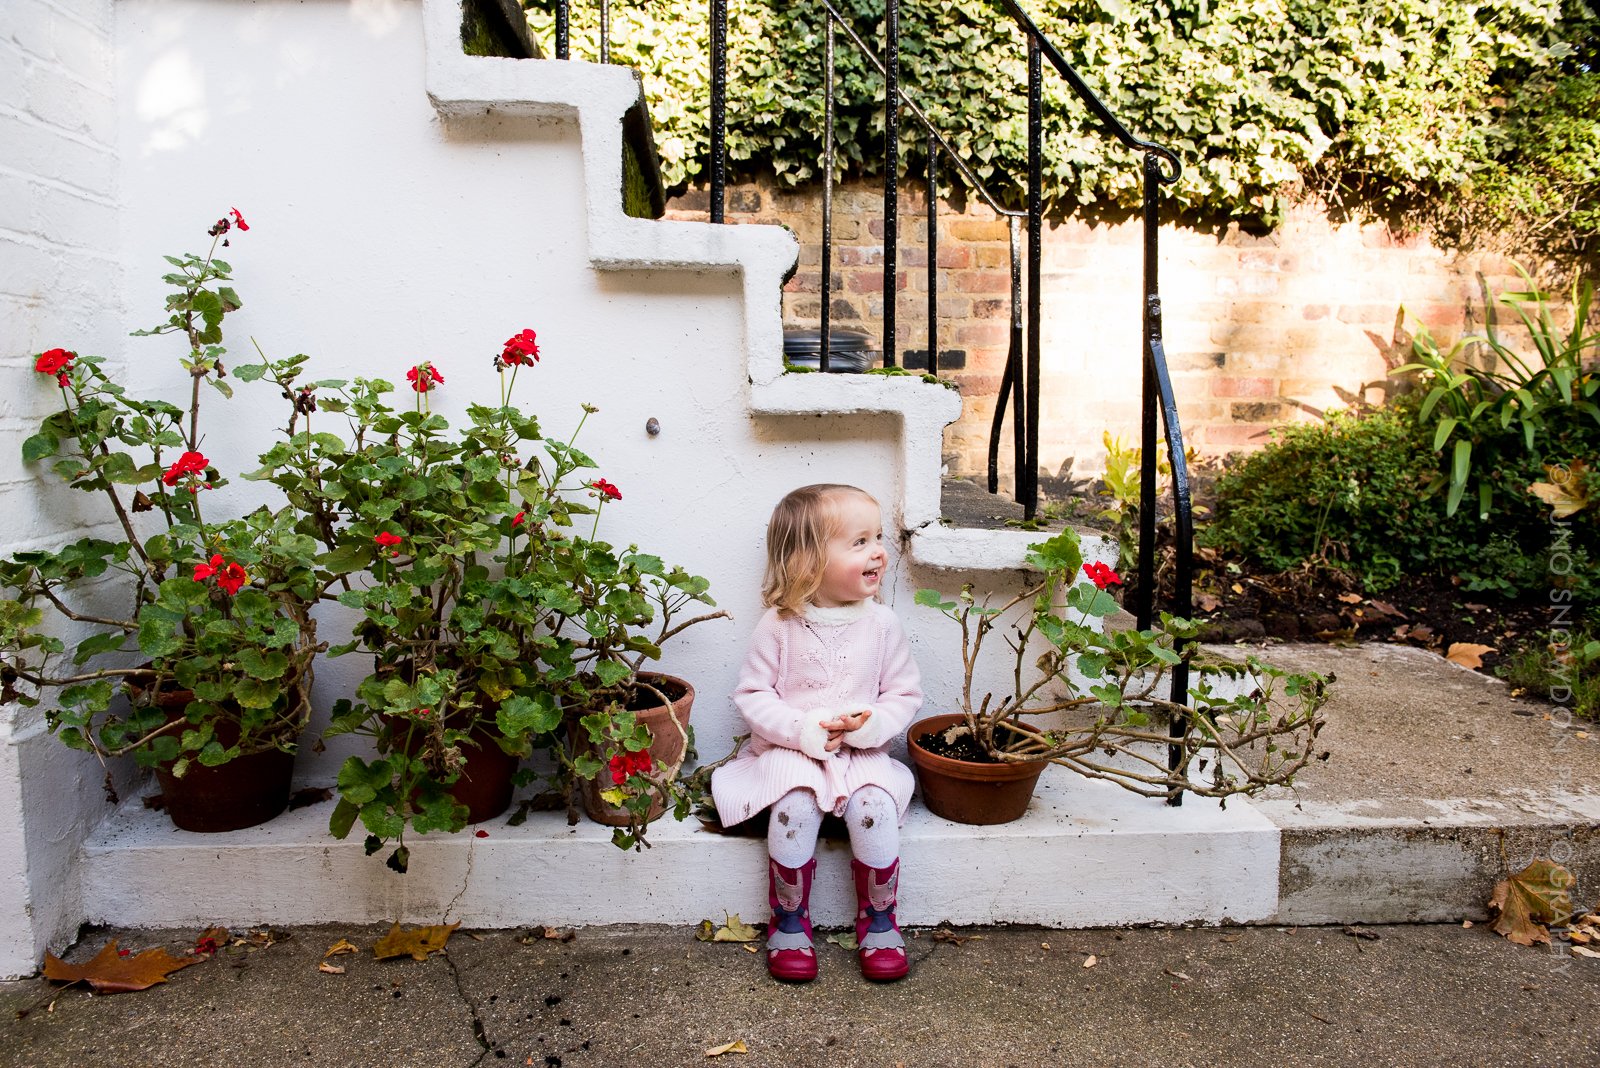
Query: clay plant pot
(967, 791)
(485, 785)
(666, 746)
(246, 791)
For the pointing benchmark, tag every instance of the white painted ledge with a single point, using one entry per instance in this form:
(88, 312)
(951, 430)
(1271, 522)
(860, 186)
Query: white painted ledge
(595, 98)
(1086, 854)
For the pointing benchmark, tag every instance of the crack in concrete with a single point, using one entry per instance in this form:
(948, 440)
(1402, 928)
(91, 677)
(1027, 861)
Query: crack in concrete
(478, 1031)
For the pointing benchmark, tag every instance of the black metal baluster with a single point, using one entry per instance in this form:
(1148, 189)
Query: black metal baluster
(1028, 479)
(563, 41)
(827, 190)
(933, 253)
(719, 111)
(1011, 381)
(605, 31)
(891, 169)
(1158, 386)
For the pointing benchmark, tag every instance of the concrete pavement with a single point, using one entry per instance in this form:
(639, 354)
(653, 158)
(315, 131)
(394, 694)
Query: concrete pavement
(650, 996)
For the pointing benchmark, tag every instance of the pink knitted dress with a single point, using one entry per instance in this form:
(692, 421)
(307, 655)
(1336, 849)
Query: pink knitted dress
(806, 669)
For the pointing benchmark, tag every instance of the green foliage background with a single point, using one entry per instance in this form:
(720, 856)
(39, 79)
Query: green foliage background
(1480, 110)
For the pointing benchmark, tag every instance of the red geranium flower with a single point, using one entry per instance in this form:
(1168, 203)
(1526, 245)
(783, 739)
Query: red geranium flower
(520, 348)
(480, 834)
(232, 579)
(190, 463)
(423, 377)
(626, 764)
(1101, 575)
(55, 362)
(518, 519)
(238, 220)
(606, 489)
(388, 541)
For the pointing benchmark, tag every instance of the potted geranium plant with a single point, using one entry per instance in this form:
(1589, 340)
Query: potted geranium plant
(202, 656)
(1097, 701)
(491, 621)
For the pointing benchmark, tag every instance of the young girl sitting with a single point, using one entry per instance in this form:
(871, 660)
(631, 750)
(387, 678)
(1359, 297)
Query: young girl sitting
(828, 682)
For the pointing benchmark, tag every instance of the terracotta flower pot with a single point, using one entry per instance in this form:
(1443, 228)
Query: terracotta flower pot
(967, 791)
(246, 791)
(666, 746)
(485, 785)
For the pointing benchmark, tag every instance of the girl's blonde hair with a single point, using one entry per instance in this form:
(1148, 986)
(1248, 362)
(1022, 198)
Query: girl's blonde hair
(797, 543)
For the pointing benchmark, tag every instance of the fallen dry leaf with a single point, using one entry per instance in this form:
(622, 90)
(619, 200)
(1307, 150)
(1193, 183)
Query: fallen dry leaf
(341, 946)
(1091, 961)
(1584, 951)
(1230, 938)
(1350, 598)
(331, 969)
(1525, 902)
(748, 948)
(110, 972)
(262, 938)
(1177, 975)
(1467, 654)
(845, 940)
(944, 934)
(1207, 602)
(1466, 923)
(416, 943)
(1384, 608)
(734, 930)
(210, 940)
(1044, 945)
(736, 1046)
(1564, 492)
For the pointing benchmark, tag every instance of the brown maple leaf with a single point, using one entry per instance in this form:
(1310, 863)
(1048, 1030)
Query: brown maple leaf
(1467, 654)
(111, 973)
(415, 943)
(1535, 896)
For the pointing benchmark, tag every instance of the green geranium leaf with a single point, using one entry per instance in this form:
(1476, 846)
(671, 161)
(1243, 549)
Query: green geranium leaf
(39, 446)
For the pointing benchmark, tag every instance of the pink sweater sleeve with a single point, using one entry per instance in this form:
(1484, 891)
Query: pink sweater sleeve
(899, 691)
(756, 696)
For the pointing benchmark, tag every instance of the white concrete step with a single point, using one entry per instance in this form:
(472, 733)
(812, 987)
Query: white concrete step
(1086, 854)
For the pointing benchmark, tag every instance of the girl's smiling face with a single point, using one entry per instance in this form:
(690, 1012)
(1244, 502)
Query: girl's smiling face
(856, 559)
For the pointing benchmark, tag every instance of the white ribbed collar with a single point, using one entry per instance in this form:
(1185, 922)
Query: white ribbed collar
(836, 617)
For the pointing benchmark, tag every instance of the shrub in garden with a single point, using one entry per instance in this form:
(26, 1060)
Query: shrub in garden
(1349, 491)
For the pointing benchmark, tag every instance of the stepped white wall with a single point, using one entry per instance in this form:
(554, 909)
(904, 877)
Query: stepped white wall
(407, 203)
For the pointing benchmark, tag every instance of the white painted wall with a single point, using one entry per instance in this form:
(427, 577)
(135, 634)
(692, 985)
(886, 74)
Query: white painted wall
(409, 203)
(58, 281)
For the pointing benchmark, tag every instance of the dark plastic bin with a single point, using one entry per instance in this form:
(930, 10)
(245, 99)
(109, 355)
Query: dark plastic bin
(848, 351)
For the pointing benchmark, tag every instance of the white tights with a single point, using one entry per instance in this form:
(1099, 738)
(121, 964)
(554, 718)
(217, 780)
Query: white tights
(869, 814)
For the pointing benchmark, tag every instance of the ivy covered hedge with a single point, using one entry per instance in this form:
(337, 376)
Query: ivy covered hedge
(1479, 110)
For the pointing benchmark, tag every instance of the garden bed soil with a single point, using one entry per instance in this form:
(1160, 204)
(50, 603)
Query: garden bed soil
(1238, 600)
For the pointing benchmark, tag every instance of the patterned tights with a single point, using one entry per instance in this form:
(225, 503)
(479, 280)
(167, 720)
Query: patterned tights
(869, 814)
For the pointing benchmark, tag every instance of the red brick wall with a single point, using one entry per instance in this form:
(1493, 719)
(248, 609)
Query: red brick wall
(1259, 330)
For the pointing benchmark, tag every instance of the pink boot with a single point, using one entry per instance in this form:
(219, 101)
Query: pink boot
(790, 955)
(880, 949)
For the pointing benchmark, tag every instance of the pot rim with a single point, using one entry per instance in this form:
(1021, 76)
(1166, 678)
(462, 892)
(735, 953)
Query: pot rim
(966, 768)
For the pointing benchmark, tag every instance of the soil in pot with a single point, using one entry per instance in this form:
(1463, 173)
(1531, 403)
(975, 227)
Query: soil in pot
(666, 745)
(979, 791)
